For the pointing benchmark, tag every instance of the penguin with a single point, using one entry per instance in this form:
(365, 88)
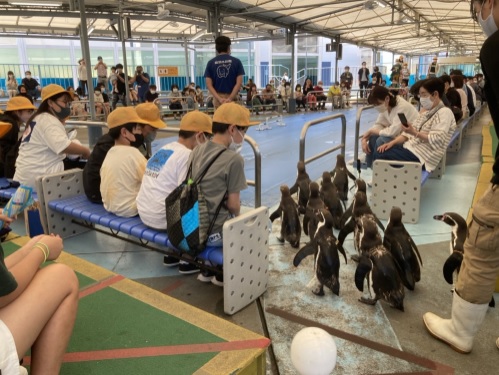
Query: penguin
(360, 185)
(329, 195)
(314, 205)
(340, 175)
(379, 268)
(403, 249)
(360, 209)
(290, 223)
(458, 236)
(326, 258)
(301, 187)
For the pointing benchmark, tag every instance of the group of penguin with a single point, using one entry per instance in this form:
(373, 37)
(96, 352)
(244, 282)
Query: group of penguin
(386, 265)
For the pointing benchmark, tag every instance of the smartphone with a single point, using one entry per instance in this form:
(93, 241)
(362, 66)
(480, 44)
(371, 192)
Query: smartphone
(403, 119)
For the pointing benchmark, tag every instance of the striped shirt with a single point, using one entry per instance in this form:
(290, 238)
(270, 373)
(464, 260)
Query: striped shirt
(440, 127)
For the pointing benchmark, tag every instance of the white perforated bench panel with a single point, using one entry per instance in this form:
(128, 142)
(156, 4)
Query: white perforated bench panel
(396, 184)
(246, 260)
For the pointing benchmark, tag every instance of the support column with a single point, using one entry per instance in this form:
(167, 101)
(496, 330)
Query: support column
(94, 133)
(292, 39)
(121, 33)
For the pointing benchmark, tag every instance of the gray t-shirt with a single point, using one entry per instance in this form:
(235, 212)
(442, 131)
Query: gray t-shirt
(225, 174)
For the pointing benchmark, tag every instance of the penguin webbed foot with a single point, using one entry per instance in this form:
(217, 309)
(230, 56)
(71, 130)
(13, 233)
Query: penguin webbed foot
(318, 290)
(280, 239)
(368, 301)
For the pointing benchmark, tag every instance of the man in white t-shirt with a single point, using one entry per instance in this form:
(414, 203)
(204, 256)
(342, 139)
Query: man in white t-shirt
(123, 168)
(166, 170)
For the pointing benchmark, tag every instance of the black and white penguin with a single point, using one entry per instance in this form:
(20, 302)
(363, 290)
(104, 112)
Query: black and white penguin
(326, 258)
(329, 195)
(379, 268)
(403, 249)
(340, 175)
(290, 220)
(314, 205)
(301, 187)
(360, 185)
(360, 209)
(458, 236)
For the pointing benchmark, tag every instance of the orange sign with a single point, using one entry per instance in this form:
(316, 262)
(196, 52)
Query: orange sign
(167, 71)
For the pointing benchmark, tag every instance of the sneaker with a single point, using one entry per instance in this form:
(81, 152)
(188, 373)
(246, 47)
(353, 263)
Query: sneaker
(188, 268)
(206, 276)
(170, 261)
(218, 280)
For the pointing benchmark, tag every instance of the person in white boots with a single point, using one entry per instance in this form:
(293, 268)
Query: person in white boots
(480, 267)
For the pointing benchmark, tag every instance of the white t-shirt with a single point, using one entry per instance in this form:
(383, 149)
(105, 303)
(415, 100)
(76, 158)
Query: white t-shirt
(121, 174)
(165, 170)
(389, 124)
(41, 149)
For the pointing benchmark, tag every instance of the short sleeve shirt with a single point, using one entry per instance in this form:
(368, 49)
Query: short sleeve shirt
(165, 170)
(41, 150)
(223, 71)
(121, 175)
(225, 174)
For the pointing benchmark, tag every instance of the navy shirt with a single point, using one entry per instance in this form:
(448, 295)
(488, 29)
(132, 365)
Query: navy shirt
(223, 71)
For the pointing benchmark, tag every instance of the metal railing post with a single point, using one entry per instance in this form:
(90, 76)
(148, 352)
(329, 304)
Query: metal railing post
(328, 151)
(257, 183)
(357, 132)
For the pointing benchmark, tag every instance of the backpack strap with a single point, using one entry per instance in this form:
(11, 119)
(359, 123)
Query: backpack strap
(212, 223)
(201, 176)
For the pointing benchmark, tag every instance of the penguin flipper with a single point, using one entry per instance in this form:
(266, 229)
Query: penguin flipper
(363, 268)
(414, 247)
(304, 252)
(346, 215)
(293, 189)
(346, 230)
(452, 263)
(277, 213)
(351, 175)
(341, 250)
(379, 223)
(492, 302)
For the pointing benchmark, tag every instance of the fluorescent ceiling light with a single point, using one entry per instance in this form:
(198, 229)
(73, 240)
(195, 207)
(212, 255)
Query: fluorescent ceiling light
(34, 4)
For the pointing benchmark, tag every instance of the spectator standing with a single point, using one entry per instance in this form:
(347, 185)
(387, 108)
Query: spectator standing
(347, 78)
(433, 68)
(11, 84)
(142, 80)
(480, 266)
(101, 68)
(113, 77)
(82, 76)
(224, 74)
(120, 87)
(32, 86)
(363, 79)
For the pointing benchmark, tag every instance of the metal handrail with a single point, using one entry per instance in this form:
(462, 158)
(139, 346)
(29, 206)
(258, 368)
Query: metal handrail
(256, 183)
(357, 132)
(328, 151)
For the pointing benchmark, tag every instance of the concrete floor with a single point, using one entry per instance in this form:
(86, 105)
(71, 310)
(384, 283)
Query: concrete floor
(287, 287)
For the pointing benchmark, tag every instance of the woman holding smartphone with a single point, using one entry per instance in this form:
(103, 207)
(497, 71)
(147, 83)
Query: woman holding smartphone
(388, 125)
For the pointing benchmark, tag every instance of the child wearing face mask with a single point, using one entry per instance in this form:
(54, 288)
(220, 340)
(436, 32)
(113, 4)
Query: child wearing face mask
(175, 98)
(40, 155)
(99, 101)
(199, 96)
(300, 98)
(123, 167)
(224, 180)
(18, 111)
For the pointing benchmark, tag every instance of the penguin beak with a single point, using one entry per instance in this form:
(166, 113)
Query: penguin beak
(439, 217)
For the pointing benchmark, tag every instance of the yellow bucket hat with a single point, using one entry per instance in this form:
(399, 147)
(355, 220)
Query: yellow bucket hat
(233, 114)
(150, 114)
(196, 121)
(123, 115)
(51, 90)
(18, 103)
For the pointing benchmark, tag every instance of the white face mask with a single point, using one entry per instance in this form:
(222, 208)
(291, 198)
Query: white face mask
(426, 103)
(381, 108)
(153, 92)
(175, 90)
(237, 147)
(488, 26)
(28, 76)
(451, 83)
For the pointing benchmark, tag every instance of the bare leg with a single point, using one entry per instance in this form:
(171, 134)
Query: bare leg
(42, 317)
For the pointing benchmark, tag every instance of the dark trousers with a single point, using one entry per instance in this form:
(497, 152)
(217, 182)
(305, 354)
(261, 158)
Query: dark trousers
(363, 86)
(116, 98)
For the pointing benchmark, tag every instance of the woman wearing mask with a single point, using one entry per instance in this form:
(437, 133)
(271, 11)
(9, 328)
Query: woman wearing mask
(45, 143)
(299, 97)
(426, 139)
(19, 110)
(11, 84)
(175, 100)
(387, 125)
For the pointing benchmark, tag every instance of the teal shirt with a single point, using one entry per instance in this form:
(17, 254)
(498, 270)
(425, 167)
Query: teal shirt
(7, 282)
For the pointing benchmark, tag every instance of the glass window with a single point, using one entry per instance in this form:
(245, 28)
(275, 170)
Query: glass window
(279, 46)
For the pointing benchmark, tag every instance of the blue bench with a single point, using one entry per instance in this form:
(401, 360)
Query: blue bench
(65, 210)
(80, 208)
(6, 191)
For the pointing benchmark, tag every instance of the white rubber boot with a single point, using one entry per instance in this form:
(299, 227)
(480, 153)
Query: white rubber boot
(460, 330)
